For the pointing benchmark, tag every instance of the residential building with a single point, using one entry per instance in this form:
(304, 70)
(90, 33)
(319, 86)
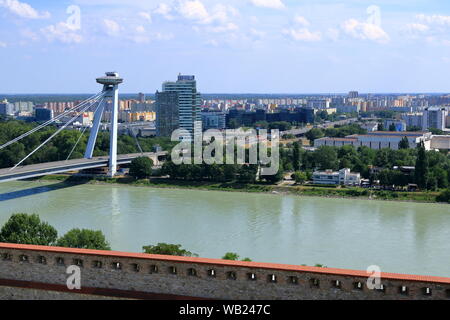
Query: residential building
(319, 103)
(6, 108)
(413, 119)
(435, 117)
(342, 177)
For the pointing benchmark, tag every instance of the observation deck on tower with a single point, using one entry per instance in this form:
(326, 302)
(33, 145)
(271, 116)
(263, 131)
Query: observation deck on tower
(111, 79)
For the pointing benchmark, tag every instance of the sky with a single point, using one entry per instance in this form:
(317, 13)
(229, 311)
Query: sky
(231, 46)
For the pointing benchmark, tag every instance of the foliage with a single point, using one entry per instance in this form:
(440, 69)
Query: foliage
(22, 228)
(422, 167)
(141, 168)
(300, 177)
(59, 147)
(84, 239)
(444, 196)
(168, 250)
(404, 143)
(234, 257)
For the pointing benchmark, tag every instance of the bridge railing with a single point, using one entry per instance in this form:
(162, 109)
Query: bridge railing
(42, 270)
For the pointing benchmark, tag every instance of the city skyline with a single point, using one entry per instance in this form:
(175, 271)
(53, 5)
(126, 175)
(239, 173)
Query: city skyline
(253, 46)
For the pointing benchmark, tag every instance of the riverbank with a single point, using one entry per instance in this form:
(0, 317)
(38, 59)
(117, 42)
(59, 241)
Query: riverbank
(310, 191)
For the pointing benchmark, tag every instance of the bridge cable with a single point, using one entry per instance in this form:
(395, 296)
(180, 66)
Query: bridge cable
(137, 140)
(53, 135)
(98, 95)
(82, 133)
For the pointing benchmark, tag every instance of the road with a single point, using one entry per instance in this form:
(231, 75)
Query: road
(38, 170)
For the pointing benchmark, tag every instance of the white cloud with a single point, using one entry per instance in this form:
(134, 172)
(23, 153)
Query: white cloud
(27, 33)
(365, 31)
(145, 15)
(111, 27)
(303, 34)
(61, 32)
(23, 10)
(164, 10)
(434, 19)
(301, 21)
(273, 4)
(223, 28)
(257, 34)
(417, 27)
(3, 44)
(193, 10)
(140, 29)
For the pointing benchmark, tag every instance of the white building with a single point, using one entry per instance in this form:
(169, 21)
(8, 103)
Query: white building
(343, 177)
(430, 118)
(440, 143)
(319, 104)
(434, 117)
(370, 126)
(413, 119)
(378, 140)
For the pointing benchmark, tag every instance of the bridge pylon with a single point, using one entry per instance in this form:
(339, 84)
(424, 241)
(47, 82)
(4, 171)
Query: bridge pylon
(110, 84)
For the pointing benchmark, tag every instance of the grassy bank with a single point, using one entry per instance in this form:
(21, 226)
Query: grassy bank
(314, 191)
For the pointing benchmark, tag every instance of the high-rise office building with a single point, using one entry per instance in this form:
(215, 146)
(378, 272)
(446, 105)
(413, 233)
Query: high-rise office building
(43, 114)
(353, 94)
(189, 103)
(167, 113)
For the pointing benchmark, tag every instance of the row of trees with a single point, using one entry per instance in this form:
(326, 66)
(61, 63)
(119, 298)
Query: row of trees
(177, 250)
(336, 132)
(29, 229)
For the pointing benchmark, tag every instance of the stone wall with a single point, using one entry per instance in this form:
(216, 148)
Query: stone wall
(27, 272)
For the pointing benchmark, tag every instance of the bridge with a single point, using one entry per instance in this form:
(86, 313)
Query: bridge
(110, 91)
(43, 169)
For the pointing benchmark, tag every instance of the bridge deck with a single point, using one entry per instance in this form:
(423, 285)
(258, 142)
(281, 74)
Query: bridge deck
(42, 169)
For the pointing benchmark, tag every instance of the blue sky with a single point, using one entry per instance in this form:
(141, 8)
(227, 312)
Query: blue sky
(232, 46)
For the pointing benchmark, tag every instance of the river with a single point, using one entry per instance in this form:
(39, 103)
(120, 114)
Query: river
(410, 238)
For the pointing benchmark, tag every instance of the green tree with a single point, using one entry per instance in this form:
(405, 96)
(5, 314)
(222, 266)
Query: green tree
(404, 143)
(314, 134)
(84, 239)
(300, 177)
(22, 228)
(141, 168)
(422, 167)
(277, 177)
(234, 257)
(168, 250)
(444, 196)
(325, 158)
(296, 156)
(392, 127)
